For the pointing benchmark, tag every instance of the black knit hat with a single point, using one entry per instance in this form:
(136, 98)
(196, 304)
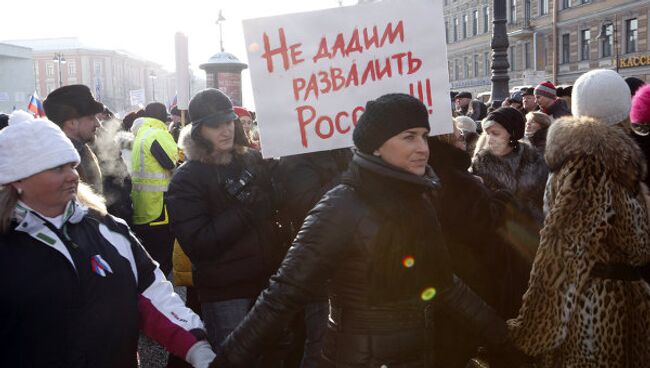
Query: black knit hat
(156, 110)
(386, 117)
(510, 119)
(464, 94)
(634, 83)
(211, 106)
(530, 91)
(70, 102)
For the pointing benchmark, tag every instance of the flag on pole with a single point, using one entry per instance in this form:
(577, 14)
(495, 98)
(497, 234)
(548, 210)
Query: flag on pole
(174, 102)
(35, 106)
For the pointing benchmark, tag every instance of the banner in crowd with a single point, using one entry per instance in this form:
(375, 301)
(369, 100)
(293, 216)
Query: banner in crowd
(312, 73)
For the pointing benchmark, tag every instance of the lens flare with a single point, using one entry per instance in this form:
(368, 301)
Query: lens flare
(408, 261)
(428, 294)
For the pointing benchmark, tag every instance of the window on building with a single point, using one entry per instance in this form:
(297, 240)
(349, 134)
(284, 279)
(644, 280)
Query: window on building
(474, 22)
(606, 43)
(486, 19)
(527, 56)
(476, 66)
(566, 50)
(513, 11)
(486, 63)
(527, 11)
(36, 68)
(466, 67)
(447, 31)
(566, 4)
(585, 1)
(585, 40)
(631, 35)
(513, 58)
(543, 7)
(72, 68)
(456, 70)
(98, 67)
(455, 29)
(49, 69)
(465, 26)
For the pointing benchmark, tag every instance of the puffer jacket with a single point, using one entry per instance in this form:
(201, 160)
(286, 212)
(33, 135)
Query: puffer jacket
(231, 243)
(335, 247)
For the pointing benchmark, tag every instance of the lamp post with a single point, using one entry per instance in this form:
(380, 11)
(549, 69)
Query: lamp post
(152, 76)
(59, 59)
(604, 36)
(499, 45)
(219, 21)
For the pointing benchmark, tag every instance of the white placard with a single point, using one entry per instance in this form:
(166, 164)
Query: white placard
(313, 73)
(137, 97)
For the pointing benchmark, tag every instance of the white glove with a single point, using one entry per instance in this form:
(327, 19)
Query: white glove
(200, 355)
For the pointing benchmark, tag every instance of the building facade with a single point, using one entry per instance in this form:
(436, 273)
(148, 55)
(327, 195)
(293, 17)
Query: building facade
(16, 77)
(117, 78)
(556, 40)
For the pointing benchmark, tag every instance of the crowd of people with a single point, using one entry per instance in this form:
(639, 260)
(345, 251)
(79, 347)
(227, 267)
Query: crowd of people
(521, 239)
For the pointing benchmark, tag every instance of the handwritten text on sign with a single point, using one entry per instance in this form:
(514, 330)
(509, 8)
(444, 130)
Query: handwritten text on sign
(312, 73)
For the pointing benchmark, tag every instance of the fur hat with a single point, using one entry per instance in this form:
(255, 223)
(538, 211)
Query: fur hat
(386, 117)
(464, 94)
(466, 124)
(603, 95)
(640, 113)
(32, 145)
(546, 89)
(510, 119)
(70, 102)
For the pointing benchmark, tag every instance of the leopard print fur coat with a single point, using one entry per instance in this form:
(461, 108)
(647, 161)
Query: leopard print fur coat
(595, 213)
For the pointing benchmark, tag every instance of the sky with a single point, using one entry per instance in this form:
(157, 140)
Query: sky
(147, 28)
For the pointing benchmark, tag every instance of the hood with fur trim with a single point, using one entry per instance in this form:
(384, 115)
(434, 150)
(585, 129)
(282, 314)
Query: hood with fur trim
(196, 152)
(574, 137)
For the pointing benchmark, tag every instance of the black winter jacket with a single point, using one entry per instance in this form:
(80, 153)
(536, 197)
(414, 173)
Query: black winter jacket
(335, 246)
(231, 242)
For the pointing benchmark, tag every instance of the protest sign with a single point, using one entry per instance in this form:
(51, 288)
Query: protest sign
(312, 73)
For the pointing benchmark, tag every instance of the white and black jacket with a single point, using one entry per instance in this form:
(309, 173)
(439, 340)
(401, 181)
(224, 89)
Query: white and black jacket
(77, 295)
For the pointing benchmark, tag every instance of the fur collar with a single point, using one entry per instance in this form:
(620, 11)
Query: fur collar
(570, 138)
(196, 152)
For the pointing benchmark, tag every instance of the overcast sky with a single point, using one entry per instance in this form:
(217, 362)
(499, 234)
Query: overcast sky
(146, 28)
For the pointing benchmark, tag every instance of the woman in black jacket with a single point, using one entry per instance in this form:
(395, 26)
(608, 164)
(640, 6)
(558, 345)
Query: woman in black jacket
(221, 211)
(375, 242)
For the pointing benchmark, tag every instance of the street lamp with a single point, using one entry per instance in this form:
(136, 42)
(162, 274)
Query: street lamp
(59, 59)
(152, 76)
(499, 45)
(220, 20)
(604, 36)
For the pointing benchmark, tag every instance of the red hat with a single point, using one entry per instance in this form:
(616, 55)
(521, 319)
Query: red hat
(546, 89)
(241, 111)
(640, 113)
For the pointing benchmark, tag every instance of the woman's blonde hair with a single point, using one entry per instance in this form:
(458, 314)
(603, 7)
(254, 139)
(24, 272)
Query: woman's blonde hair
(9, 198)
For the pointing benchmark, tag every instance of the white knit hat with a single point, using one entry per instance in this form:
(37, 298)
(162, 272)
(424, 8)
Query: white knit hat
(466, 124)
(29, 146)
(603, 95)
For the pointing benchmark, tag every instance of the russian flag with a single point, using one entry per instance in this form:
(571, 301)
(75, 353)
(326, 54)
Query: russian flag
(35, 106)
(174, 102)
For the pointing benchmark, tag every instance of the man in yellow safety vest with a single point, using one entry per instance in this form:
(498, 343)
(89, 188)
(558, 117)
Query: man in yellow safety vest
(153, 159)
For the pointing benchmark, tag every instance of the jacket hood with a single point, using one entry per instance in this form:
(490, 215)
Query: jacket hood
(574, 137)
(194, 151)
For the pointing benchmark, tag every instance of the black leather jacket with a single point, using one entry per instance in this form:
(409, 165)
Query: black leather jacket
(335, 246)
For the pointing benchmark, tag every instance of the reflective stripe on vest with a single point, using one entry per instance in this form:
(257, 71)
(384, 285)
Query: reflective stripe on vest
(149, 187)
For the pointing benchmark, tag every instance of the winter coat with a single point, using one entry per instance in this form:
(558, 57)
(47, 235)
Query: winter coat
(586, 303)
(643, 141)
(476, 110)
(305, 178)
(336, 246)
(558, 109)
(522, 173)
(230, 241)
(473, 221)
(76, 296)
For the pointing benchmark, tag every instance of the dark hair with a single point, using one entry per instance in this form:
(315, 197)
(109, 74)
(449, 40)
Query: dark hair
(4, 121)
(128, 120)
(156, 110)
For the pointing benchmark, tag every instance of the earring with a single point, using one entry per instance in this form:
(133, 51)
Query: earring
(20, 191)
